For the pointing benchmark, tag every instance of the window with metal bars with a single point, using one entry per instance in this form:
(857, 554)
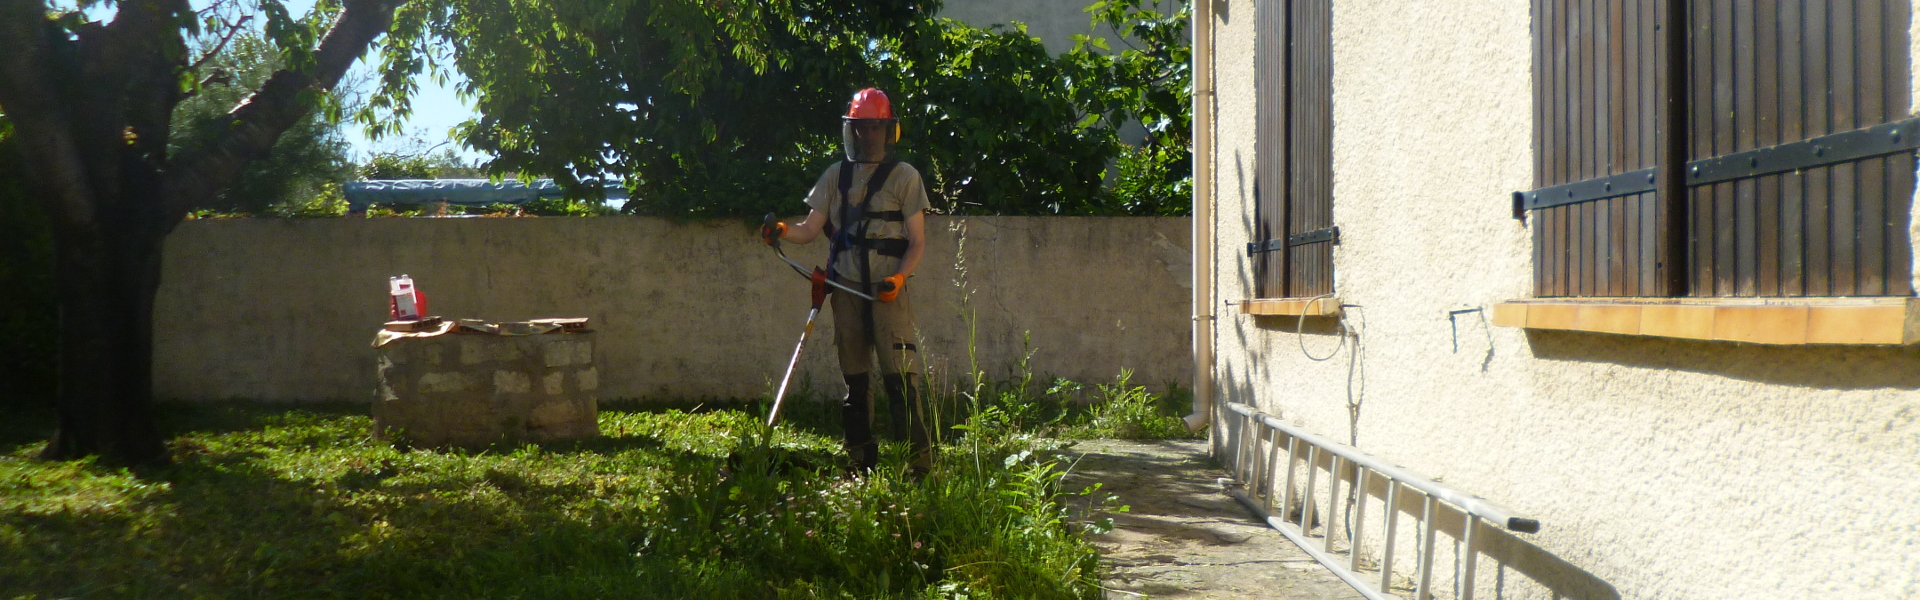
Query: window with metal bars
(1721, 148)
(1293, 238)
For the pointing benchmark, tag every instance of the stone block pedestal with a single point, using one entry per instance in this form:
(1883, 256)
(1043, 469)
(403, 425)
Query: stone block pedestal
(477, 389)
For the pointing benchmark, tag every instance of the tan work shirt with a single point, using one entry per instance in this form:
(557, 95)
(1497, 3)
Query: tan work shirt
(903, 191)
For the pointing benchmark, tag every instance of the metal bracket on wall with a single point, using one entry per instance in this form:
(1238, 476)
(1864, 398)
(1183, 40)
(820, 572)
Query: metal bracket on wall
(1326, 234)
(1454, 324)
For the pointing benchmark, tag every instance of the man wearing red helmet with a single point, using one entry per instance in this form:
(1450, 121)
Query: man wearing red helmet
(873, 208)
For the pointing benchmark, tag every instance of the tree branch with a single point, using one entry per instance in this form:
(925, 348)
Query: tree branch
(232, 28)
(276, 106)
(219, 75)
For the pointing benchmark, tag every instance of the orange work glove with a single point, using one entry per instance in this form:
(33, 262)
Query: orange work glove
(891, 286)
(772, 232)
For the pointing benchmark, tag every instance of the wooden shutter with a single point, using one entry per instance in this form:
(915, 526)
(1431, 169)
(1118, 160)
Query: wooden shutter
(1767, 86)
(1292, 253)
(1597, 65)
(1768, 72)
(1310, 236)
(1270, 150)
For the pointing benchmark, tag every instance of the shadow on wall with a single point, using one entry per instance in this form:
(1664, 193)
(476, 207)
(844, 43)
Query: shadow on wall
(1541, 566)
(1314, 325)
(1231, 387)
(1510, 554)
(1826, 367)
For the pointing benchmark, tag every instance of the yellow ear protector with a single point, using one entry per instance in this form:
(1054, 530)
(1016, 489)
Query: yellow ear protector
(896, 132)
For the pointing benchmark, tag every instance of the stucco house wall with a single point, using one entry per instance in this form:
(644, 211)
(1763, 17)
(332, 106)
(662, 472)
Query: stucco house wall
(1659, 468)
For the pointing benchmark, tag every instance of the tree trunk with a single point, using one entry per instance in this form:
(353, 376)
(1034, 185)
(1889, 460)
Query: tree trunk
(94, 103)
(108, 278)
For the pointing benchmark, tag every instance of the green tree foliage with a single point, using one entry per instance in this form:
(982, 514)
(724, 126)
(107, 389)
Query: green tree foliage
(1154, 77)
(1000, 126)
(308, 155)
(712, 109)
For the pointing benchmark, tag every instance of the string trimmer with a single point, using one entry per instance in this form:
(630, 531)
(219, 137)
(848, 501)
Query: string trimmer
(820, 281)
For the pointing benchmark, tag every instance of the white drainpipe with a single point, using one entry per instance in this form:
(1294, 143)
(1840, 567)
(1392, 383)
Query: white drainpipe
(1203, 111)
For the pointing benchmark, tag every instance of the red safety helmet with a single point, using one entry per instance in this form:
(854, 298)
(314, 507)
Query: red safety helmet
(869, 129)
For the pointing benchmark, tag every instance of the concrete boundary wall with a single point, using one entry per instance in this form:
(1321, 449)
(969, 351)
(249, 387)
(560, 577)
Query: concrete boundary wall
(285, 310)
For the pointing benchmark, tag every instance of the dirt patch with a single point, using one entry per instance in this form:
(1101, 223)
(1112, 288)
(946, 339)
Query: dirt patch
(1183, 538)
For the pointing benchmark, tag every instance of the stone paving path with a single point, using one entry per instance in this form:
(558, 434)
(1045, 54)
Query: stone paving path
(1183, 538)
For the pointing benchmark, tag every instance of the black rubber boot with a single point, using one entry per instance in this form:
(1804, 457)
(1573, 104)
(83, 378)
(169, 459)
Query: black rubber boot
(856, 418)
(906, 399)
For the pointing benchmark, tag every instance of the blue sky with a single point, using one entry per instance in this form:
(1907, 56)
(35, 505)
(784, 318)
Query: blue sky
(436, 110)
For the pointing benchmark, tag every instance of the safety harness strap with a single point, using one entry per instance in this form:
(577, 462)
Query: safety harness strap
(895, 248)
(850, 236)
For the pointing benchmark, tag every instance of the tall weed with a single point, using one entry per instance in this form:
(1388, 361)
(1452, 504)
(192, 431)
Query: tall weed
(1060, 407)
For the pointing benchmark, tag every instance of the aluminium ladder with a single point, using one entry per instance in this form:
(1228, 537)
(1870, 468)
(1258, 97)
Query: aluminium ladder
(1254, 476)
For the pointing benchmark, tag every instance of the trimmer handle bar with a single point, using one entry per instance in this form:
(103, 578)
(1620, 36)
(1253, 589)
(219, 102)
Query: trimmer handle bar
(806, 273)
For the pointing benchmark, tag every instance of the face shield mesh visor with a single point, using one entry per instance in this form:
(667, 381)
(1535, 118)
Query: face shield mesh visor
(867, 140)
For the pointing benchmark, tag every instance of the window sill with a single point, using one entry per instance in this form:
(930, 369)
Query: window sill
(1290, 307)
(1780, 321)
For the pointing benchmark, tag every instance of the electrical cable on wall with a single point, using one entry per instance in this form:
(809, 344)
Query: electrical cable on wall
(1353, 400)
(1300, 328)
(1344, 330)
(1354, 372)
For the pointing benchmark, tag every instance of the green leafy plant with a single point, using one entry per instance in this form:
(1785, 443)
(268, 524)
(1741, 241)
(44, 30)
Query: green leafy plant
(1128, 411)
(329, 201)
(562, 207)
(1017, 408)
(388, 165)
(419, 163)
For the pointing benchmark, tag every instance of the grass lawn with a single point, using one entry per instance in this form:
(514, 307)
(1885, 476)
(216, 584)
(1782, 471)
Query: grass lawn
(277, 502)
